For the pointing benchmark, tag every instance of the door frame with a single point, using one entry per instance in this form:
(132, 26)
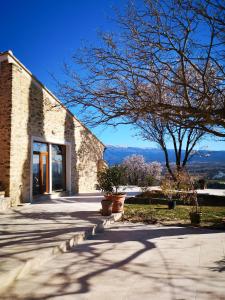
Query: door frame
(46, 154)
(50, 141)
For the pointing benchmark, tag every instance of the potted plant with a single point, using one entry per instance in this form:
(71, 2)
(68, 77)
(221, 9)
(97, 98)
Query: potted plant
(104, 184)
(109, 181)
(116, 176)
(189, 195)
(202, 183)
(168, 187)
(172, 204)
(195, 213)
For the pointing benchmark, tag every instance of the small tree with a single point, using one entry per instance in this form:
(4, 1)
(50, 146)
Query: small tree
(187, 191)
(138, 172)
(110, 179)
(116, 176)
(168, 186)
(183, 188)
(104, 183)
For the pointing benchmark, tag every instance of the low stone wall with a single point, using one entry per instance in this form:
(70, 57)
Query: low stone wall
(203, 200)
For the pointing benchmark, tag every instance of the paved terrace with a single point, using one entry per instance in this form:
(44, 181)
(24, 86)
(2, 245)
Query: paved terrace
(133, 262)
(129, 261)
(34, 232)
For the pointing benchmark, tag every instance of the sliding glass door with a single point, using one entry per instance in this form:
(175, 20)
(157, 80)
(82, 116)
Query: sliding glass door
(40, 168)
(58, 167)
(48, 160)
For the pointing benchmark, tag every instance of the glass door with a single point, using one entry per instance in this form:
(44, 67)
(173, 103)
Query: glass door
(40, 168)
(36, 173)
(58, 167)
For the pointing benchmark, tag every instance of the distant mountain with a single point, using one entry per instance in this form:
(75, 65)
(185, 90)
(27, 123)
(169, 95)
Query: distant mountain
(116, 154)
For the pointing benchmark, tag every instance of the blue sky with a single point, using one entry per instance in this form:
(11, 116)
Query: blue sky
(44, 34)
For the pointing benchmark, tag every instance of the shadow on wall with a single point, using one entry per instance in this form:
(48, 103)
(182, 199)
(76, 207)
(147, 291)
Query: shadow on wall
(5, 125)
(89, 154)
(35, 127)
(69, 135)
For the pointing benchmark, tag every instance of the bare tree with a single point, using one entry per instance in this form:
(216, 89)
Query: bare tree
(168, 61)
(183, 140)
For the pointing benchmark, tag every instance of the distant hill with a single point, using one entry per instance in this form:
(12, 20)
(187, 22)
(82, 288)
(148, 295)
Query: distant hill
(116, 154)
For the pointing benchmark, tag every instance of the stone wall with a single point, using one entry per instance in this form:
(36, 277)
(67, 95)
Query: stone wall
(5, 124)
(36, 113)
(89, 153)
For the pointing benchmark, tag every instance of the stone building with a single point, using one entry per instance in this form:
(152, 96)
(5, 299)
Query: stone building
(44, 148)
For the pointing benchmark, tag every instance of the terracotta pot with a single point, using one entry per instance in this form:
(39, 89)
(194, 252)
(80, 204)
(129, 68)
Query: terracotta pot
(106, 207)
(172, 204)
(118, 203)
(108, 197)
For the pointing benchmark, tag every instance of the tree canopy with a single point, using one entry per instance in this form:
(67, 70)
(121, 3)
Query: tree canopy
(168, 61)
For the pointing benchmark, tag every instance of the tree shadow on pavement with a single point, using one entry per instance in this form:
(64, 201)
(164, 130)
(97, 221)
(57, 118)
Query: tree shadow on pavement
(74, 273)
(25, 234)
(220, 266)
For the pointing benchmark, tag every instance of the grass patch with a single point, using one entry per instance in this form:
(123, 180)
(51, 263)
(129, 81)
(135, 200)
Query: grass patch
(211, 215)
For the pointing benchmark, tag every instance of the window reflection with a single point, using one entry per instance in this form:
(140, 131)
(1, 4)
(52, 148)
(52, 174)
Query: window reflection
(36, 174)
(40, 147)
(40, 168)
(58, 167)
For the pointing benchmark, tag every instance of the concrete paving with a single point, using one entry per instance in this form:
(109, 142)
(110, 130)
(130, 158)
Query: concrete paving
(31, 234)
(133, 261)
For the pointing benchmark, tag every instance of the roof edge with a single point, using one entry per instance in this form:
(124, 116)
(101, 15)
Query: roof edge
(10, 57)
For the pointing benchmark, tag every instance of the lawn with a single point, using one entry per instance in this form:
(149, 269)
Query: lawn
(156, 213)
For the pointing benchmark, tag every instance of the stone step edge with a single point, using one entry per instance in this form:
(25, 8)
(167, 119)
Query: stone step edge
(31, 264)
